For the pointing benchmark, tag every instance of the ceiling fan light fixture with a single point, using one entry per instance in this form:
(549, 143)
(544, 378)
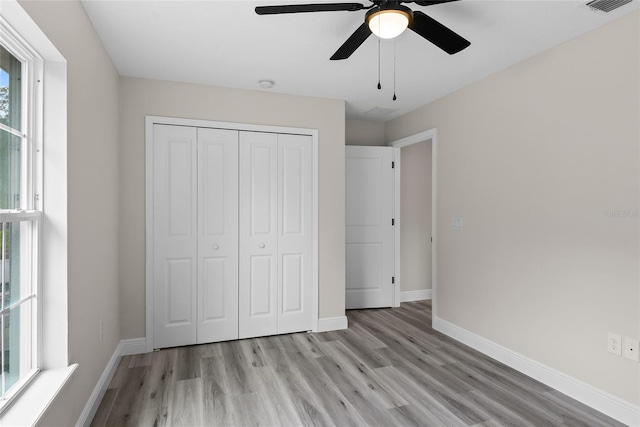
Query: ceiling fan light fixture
(388, 23)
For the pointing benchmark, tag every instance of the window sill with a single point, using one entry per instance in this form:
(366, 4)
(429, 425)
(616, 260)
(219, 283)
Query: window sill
(34, 401)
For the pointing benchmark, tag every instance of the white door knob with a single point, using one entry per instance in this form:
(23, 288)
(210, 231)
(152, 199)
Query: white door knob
(216, 247)
(261, 245)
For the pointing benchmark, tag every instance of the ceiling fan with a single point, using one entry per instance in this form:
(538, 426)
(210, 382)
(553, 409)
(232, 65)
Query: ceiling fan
(386, 19)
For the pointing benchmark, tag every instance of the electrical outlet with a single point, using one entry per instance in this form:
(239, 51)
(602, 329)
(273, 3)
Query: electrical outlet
(630, 348)
(614, 344)
(456, 223)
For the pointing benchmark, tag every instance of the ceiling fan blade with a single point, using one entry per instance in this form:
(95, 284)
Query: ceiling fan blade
(300, 8)
(352, 43)
(432, 2)
(437, 33)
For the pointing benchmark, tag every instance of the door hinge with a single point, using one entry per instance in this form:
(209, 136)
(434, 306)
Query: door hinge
(393, 221)
(393, 280)
(432, 240)
(393, 165)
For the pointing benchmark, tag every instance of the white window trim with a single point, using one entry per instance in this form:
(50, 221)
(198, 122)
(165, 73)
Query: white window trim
(31, 116)
(56, 371)
(31, 150)
(33, 315)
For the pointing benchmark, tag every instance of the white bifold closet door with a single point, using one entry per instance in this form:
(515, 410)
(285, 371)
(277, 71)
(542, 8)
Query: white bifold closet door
(275, 233)
(232, 233)
(195, 226)
(217, 235)
(175, 228)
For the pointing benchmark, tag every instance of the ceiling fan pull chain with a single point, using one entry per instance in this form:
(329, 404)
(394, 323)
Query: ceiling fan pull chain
(394, 70)
(379, 85)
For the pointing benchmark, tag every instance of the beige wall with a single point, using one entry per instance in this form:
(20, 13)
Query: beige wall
(140, 97)
(546, 147)
(532, 158)
(364, 132)
(415, 217)
(92, 90)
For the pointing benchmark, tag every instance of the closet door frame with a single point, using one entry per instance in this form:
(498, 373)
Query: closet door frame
(150, 121)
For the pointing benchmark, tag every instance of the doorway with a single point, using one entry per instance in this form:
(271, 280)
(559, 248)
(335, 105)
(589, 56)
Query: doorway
(416, 235)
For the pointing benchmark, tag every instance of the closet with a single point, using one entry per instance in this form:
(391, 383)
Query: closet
(232, 235)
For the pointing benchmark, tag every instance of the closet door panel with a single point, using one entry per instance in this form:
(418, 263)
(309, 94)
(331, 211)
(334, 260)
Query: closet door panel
(295, 174)
(217, 235)
(258, 236)
(260, 286)
(175, 235)
(292, 274)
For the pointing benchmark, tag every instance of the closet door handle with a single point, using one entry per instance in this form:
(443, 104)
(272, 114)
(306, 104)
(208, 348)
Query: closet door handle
(262, 245)
(216, 247)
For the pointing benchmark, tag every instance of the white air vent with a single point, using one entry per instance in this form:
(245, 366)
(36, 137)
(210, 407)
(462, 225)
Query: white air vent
(379, 112)
(607, 5)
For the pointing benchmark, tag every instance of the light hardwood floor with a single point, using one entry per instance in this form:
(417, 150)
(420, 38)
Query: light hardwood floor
(390, 368)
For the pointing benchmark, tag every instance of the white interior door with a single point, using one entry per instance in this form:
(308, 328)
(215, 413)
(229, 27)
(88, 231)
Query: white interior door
(217, 235)
(258, 237)
(295, 230)
(369, 230)
(175, 235)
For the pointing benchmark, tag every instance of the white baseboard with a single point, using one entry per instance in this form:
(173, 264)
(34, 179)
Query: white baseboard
(408, 296)
(133, 346)
(332, 324)
(600, 400)
(124, 348)
(99, 390)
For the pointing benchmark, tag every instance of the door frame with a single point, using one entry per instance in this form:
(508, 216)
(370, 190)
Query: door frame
(150, 121)
(432, 135)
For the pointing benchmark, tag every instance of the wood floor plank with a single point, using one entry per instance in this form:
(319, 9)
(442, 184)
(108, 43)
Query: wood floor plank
(495, 411)
(365, 376)
(358, 346)
(186, 404)
(189, 366)
(138, 360)
(211, 349)
(343, 377)
(309, 407)
(430, 409)
(120, 376)
(249, 411)
(577, 413)
(102, 414)
(339, 410)
(124, 405)
(279, 409)
(236, 367)
(312, 346)
(253, 353)
(156, 392)
(217, 409)
(518, 400)
(390, 368)
(157, 417)
(492, 368)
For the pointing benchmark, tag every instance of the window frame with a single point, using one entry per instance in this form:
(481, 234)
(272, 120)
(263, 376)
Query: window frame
(30, 207)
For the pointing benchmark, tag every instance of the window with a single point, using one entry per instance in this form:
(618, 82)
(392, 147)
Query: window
(20, 117)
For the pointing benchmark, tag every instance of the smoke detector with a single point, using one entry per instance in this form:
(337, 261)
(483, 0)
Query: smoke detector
(266, 84)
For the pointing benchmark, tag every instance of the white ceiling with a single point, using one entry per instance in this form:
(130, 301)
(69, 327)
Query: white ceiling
(224, 43)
